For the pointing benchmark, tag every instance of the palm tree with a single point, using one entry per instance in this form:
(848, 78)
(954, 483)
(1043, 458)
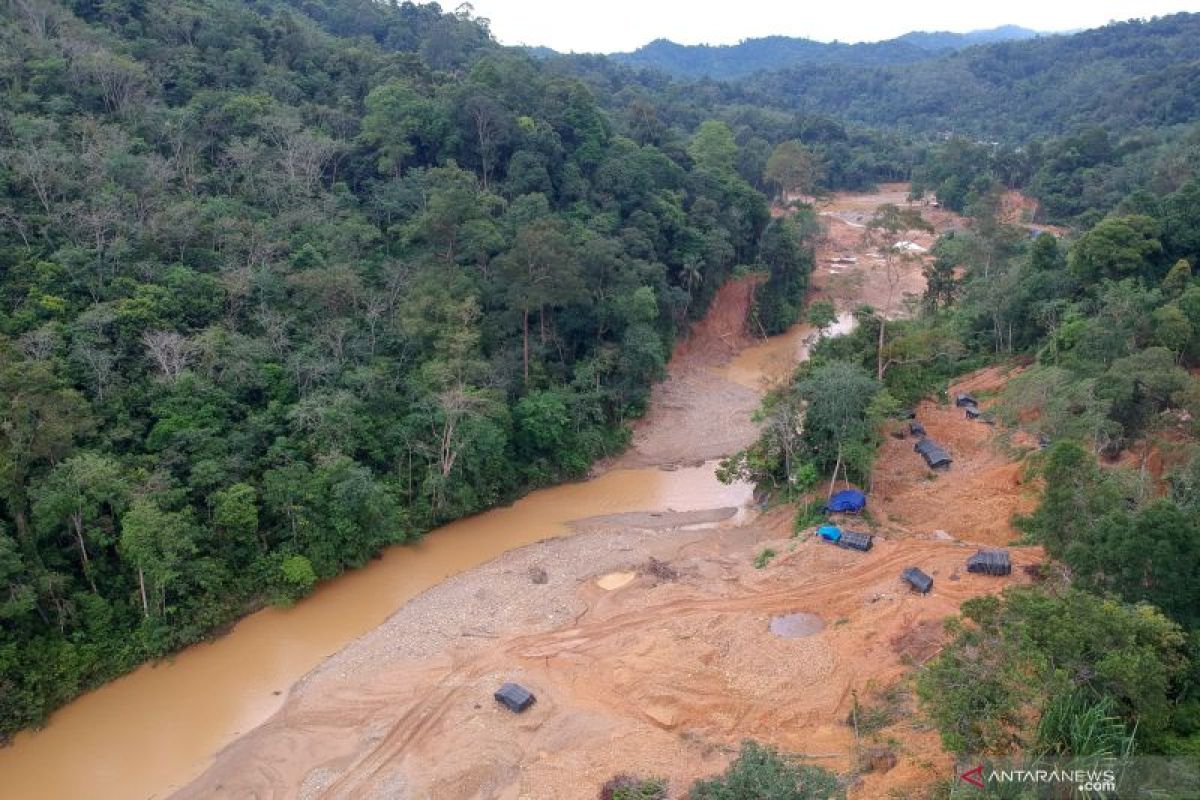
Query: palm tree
(692, 275)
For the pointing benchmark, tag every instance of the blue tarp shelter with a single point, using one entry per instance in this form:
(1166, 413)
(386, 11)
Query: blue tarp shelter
(830, 533)
(847, 500)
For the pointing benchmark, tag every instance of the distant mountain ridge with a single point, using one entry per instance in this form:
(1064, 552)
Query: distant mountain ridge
(779, 52)
(945, 40)
(1124, 76)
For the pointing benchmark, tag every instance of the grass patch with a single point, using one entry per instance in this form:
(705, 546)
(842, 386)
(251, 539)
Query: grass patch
(764, 557)
(807, 515)
(629, 787)
(885, 708)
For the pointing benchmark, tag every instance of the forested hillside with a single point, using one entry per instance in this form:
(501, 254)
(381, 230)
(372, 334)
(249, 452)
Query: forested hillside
(286, 282)
(727, 62)
(1079, 121)
(1124, 76)
(1098, 336)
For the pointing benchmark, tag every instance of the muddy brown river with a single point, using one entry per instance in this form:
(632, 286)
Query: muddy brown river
(148, 733)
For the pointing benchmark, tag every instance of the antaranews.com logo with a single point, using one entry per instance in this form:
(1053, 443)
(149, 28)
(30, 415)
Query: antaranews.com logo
(1150, 777)
(1081, 780)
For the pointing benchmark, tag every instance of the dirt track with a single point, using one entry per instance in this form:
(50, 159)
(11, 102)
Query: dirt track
(974, 500)
(664, 675)
(658, 677)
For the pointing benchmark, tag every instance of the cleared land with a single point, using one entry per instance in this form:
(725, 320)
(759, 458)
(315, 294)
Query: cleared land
(664, 672)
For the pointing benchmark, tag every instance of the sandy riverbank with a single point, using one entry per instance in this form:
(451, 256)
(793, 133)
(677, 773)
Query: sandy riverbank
(667, 669)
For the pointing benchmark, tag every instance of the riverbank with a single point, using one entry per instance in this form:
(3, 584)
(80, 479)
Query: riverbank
(645, 636)
(661, 676)
(152, 731)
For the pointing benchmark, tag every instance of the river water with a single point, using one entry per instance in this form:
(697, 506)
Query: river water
(153, 730)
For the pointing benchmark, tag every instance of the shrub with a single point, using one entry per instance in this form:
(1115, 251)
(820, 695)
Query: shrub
(298, 577)
(762, 773)
(629, 787)
(808, 515)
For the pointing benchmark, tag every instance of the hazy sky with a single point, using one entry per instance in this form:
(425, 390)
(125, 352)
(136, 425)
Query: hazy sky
(605, 26)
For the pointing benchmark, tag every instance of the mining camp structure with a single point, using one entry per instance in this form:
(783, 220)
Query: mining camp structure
(847, 501)
(918, 580)
(935, 456)
(850, 540)
(515, 697)
(990, 562)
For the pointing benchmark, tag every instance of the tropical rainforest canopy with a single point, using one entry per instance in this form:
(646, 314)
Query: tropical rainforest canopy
(287, 281)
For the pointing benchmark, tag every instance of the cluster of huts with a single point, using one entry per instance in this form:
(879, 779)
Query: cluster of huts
(853, 501)
(851, 540)
(517, 698)
(970, 407)
(984, 562)
(847, 501)
(934, 454)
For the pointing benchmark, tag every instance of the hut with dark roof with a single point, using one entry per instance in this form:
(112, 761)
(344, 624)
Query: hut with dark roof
(515, 697)
(935, 456)
(990, 562)
(918, 580)
(854, 540)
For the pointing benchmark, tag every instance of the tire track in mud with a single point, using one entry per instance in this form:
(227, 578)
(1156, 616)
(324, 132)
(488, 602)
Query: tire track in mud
(658, 678)
(839, 591)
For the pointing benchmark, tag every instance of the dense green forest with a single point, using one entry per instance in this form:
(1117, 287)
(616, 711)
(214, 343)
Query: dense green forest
(1079, 122)
(1077, 179)
(287, 282)
(1125, 76)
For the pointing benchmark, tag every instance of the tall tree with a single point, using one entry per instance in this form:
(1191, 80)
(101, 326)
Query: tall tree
(82, 495)
(791, 170)
(890, 231)
(39, 420)
(159, 545)
(713, 147)
(542, 272)
(838, 396)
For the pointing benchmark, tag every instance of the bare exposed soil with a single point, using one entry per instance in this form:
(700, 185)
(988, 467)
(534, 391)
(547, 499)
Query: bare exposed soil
(655, 677)
(865, 281)
(698, 414)
(974, 499)
(665, 672)
(857, 208)
(695, 415)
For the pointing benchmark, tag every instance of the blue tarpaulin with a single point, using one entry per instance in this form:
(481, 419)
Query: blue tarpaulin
(847, 500)
(830, 533)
